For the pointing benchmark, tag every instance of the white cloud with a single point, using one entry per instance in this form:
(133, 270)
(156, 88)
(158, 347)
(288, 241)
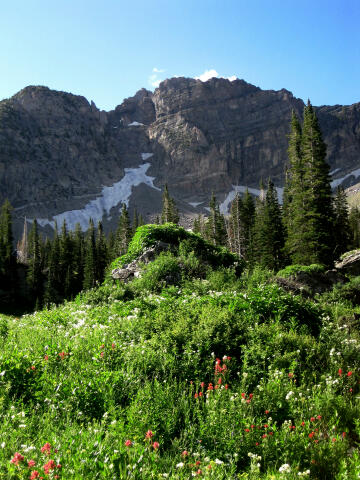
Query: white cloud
(204, 77)
(154, 79)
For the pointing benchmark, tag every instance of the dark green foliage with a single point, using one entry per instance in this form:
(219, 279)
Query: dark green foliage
(215, 230)
(308, 203)
(170, 213)
(123, 233)
(78, 259)
(341, 231)
(101, 254)
(7, 256)
(268, 235)
(348, 293)
(90, 258)
(199, 225)
(247, 218)
(65, 261)
(354, 224)
(235, 233)
(34, 274)
(135, 221)
(53, 285)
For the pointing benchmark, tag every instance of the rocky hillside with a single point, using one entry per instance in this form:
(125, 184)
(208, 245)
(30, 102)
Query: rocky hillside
(60, 157)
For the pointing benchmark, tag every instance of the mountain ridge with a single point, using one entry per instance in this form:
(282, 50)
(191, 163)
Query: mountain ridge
(58, 150)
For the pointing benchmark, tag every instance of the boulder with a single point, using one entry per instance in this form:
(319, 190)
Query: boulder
(306, 284)
(350, 264)
(133, 269)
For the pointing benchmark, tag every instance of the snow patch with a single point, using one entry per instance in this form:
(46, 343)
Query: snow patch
(146, 156)
(195, 204)
(135, 124)
(335, 171)
(110, 197)
(224, 206)
(338, 181)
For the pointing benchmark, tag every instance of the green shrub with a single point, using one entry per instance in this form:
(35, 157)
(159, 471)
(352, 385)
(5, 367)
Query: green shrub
(348, 293)
(164, 270)
(293, 270)
(147, 235)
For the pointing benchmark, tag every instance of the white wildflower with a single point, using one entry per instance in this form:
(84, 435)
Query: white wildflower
(289, 395)
(285, 468)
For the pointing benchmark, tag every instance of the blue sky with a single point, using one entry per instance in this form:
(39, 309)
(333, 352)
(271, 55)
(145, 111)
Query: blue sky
(106, 50)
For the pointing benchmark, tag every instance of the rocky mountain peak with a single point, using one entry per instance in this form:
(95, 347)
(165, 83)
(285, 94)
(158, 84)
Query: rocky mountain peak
(60, 154)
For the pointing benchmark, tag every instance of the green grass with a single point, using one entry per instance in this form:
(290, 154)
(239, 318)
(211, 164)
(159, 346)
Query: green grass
(92, 377)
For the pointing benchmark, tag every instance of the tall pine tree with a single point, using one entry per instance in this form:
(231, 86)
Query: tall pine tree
(101, 253)
(308, 208)
(123, 233)
(34, 273)
(7, 256)
(215, 230)
(90, 258)
(169, 213)
(342, 231)
(354, 222)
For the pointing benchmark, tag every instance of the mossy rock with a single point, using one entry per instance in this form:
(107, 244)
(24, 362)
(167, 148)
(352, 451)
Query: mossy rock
(149, 235)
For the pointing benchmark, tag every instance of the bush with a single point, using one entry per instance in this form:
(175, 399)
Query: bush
(293, 270)
(164, 270)
(147, 236)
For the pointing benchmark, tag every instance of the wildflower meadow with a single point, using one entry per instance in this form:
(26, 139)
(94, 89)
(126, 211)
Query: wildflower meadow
(223, 377)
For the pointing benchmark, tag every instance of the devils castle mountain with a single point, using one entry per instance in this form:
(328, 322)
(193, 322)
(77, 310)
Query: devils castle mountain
(61, 157)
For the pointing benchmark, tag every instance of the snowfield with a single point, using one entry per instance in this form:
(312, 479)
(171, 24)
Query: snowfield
(110, 197)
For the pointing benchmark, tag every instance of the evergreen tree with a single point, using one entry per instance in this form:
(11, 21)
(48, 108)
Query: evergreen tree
(247, 218)
(342, 231)
(215, 230)
(90, 258)
(294, 206)
(199, 225)
(169, 212)
(308, 209)
(22, 246)
(34, 274)
(258, 234)
(235, 230)
(65, 261)
(7, 256)
(319, 196)
(272, 252)
(354, 222)
(101, 254)
(135, 221)
(123, 233)
(78, 259)
(53, 286)
(111, 245)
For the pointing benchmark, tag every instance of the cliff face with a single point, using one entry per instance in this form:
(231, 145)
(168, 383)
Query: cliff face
(58, 152)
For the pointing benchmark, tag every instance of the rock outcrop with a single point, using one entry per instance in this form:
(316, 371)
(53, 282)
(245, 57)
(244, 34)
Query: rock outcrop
(309, 284)
(350, 264)
(58, 151)
(133, 269)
